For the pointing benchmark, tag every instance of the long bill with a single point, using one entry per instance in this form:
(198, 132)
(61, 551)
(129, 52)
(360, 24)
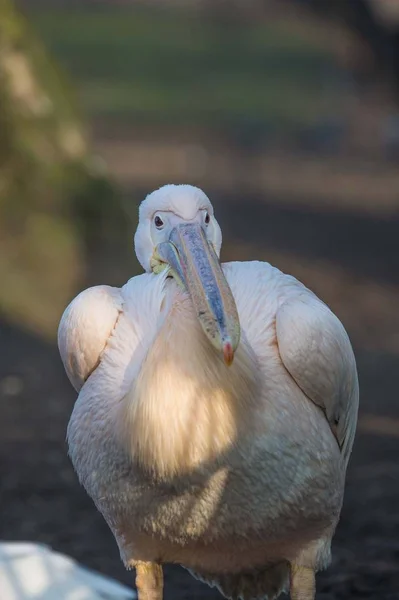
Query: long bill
(194, 263)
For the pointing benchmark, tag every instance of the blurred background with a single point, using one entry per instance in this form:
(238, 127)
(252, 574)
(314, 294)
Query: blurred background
(286, 113)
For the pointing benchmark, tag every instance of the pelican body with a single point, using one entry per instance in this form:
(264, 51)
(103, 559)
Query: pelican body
(216, 412)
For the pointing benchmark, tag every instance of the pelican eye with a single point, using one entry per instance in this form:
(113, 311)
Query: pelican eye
(158, 222)
(207, 218)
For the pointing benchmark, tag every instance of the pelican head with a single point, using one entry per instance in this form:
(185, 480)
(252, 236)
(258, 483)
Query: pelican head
(177, 230)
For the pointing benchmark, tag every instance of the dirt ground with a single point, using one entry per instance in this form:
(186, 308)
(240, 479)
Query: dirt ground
(352, 262)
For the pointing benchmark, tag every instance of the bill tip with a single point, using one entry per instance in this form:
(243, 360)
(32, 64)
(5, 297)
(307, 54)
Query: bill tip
(228, 353)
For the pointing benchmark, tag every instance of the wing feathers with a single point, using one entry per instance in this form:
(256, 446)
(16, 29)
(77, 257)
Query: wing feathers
(85, 327)
(316, 351)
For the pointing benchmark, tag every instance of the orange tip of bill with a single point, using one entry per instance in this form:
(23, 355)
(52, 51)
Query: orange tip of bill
(228, 353)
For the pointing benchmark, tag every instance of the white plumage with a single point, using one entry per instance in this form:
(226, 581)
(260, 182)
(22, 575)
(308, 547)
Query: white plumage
(35, 572)
(237, 472)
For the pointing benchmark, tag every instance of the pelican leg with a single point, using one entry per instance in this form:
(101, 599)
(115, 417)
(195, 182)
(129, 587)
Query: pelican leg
(149, 581)
(302, 583)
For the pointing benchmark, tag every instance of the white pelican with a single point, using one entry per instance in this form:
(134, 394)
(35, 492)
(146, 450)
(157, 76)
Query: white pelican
(35, 572)
(233, 468)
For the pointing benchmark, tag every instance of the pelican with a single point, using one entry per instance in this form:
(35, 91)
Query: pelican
(216, 413)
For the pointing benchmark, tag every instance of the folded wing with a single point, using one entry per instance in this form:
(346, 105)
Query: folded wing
(316, 351)
(85, 327)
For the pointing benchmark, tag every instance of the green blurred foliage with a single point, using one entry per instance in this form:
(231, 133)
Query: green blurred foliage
(47, 181)
(160, 66)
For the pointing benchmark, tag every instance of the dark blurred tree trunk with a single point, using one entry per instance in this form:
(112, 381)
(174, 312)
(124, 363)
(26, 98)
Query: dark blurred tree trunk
(45, 166)
(380, 36)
